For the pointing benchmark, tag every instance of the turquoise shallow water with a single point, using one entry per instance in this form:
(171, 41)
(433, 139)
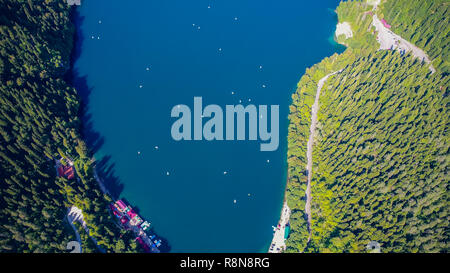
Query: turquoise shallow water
(193, 208)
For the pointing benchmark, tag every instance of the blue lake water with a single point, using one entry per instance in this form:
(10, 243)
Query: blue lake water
(128, 108)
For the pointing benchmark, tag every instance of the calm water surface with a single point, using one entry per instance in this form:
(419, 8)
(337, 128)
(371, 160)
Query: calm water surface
(128, 111)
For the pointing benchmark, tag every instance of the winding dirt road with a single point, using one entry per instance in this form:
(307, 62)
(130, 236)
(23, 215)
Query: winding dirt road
(309, 151)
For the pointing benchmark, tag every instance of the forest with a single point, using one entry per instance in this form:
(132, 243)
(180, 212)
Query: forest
(39, 123)
(425, 24)
(381, 152)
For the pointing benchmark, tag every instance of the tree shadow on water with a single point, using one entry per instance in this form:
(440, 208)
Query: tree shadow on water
(105, 170)
(104, 166)
(94, 140)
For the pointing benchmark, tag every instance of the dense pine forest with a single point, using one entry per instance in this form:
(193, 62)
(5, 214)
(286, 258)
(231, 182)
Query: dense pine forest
(39, 124)
(381, 150)
(425, 24)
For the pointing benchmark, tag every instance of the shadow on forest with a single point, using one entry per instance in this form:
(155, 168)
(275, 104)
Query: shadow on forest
(104, 166)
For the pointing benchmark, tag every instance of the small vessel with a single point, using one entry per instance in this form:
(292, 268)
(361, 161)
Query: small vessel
(129, 219)
(145, 225)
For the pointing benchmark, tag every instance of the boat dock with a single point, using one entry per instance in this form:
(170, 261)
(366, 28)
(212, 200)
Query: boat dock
(130, 220)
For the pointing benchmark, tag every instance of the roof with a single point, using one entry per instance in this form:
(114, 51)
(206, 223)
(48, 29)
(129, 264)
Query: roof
(385, 23)
(121, 204)
(131, 213)
(66, 171)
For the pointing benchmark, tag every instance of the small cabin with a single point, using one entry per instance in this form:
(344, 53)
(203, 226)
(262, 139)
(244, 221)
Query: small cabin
(385, 24)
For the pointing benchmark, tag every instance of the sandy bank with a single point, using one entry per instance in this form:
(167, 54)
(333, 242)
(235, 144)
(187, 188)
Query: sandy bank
(344, 29)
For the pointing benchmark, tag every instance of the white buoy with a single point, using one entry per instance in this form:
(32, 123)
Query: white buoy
(240, 101)
(263, 86)
(98, 38)
(167, 173)
(235, 18)
(234, 201)
(232, 92)
(148, 68)
(139, 152)
(140, 86)
(224, 172)
(100, 21)
(198, 28)
(156, 147)
(268, 160)
(92, 37)
(220, 49)
(249, 99)
(260, 67)
(209, 7)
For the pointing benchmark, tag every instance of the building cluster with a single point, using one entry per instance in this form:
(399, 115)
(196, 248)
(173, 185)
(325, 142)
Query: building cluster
(130, 220)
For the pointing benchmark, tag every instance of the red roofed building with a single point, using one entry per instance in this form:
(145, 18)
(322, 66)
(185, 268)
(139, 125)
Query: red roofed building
(385, 23)
(121, 205)
(66, 171)
(131, 214)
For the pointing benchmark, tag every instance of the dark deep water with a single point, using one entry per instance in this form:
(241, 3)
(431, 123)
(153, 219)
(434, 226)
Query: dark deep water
(193, 208)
